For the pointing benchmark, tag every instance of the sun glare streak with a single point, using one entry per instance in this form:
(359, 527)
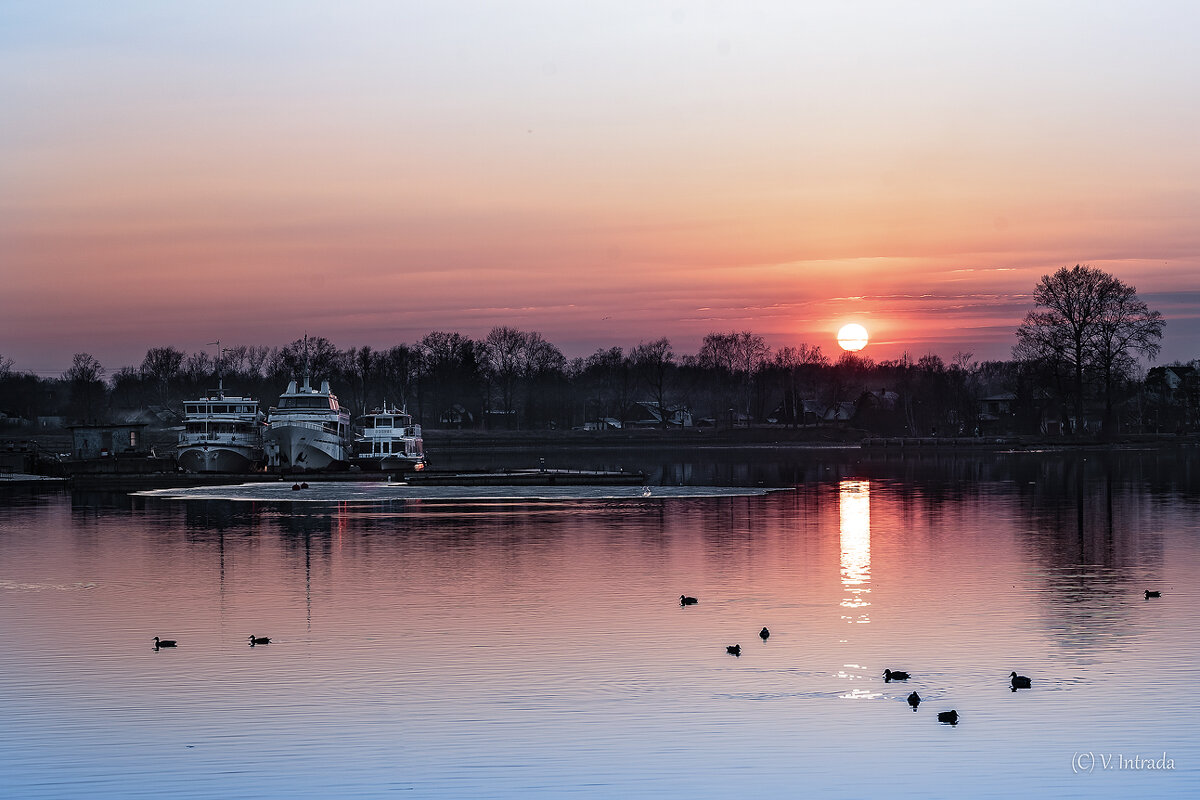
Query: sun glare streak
(855, 510)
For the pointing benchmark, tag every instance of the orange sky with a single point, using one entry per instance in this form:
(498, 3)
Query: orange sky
(179, 174)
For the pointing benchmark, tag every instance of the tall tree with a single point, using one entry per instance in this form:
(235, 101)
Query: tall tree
(1084, 317)
(85, 377)
(653, 361)
(163, 365)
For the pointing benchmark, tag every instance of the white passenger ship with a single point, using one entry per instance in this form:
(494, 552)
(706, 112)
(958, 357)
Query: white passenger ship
(388, 440)
(308, 430)
(221, 433)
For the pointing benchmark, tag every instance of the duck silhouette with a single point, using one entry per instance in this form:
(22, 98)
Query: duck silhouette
(259, 640)
(764, 633)
(684, 600)
(1150, 594)
(734, 650)
(1020, 682)
(950, 716)
(164, 643)
(894, 675)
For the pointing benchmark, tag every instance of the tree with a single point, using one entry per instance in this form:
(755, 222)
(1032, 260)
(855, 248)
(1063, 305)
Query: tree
(163, 365)
(87, 387)
(1085, 318)
(653, 361)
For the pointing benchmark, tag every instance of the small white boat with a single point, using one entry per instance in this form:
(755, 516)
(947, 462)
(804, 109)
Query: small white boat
(308, 430)
(388, 440)
(221, 433)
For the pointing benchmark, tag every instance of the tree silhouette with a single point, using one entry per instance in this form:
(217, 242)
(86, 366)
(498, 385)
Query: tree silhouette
(1087, 319)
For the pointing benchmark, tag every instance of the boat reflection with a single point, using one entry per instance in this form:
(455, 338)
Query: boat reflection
(854, 497)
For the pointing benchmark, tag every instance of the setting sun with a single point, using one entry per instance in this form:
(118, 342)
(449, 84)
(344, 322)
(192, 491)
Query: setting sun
(852, 337)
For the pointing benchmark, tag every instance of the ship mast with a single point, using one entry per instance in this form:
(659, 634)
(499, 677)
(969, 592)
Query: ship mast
(220, 359)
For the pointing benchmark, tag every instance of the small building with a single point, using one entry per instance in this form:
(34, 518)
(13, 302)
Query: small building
(105, 441)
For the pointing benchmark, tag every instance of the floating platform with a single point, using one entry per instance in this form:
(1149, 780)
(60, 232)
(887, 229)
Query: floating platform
(526, 477)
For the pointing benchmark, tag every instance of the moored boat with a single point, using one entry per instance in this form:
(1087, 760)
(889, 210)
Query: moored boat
(221, 433)
(389, 440)
(308, 430)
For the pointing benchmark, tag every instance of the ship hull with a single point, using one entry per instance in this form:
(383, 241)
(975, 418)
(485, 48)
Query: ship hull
(215, 458)
(304, 449)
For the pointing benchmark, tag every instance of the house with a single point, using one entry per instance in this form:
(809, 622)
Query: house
(105, 441)
(456, 416)
(841, 412)
(648, 414)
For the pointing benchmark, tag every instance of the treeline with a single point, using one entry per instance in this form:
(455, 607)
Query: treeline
(517, 379)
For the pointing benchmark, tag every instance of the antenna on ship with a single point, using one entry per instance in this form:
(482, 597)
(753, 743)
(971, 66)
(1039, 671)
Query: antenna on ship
(307, 384)
(220, 358)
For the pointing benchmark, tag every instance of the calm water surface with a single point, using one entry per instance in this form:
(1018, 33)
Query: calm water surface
(454, 646)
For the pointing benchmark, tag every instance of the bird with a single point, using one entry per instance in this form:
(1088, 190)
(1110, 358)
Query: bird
(164, 643)
(1020, 682)
(1150, 594)
(764, 633)
(684, 600)
(295, 487)
(259, 640)
(894, 675)
(734, 650)
(914, 700)
(950, 716)
(304, 485)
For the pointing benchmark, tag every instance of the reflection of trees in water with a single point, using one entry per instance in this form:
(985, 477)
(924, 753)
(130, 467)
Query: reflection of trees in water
(1090, 525)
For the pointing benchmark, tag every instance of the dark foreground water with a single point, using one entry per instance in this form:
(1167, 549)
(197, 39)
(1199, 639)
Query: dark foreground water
(449, 645)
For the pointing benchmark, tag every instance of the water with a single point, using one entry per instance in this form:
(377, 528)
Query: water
(457, 644)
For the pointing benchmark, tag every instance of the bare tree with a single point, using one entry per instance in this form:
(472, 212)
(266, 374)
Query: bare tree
(163, 365)
(1085, 317)
(653, 361)
(87, 386)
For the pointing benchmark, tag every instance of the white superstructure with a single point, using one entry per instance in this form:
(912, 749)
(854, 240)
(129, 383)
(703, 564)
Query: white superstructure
(221, 433)
(389, 440)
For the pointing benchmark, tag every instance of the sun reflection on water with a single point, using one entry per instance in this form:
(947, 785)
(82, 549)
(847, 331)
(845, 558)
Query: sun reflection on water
(855, 511)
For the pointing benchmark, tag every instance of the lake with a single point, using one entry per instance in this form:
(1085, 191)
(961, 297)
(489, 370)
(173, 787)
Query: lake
(450, 643)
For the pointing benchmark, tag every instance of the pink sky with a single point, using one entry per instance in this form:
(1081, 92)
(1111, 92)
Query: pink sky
(177, 174)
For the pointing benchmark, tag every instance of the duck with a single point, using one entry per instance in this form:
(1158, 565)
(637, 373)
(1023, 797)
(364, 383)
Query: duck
(304, 485)
(950, 716)
(734, 650)
(684, 600)
(295, 487)
(1150, 594)
(914, 700)
(164, 643)
(764, 633)
(1020, 682)
(259, 640)
(894, 675)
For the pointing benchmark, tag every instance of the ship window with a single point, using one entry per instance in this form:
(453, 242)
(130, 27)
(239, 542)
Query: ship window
(385, 422)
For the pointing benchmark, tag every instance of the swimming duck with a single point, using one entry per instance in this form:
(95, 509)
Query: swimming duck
(1020, 682)
(1150, 594)
(734, 650)
(684, 600)
(764, 633)
(295, 487)
(950, 716)
(914, 700)
(259, 640)
(164, 643)
(894, 675)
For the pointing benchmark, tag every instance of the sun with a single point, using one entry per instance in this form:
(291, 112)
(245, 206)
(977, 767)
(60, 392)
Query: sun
(852, 337)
